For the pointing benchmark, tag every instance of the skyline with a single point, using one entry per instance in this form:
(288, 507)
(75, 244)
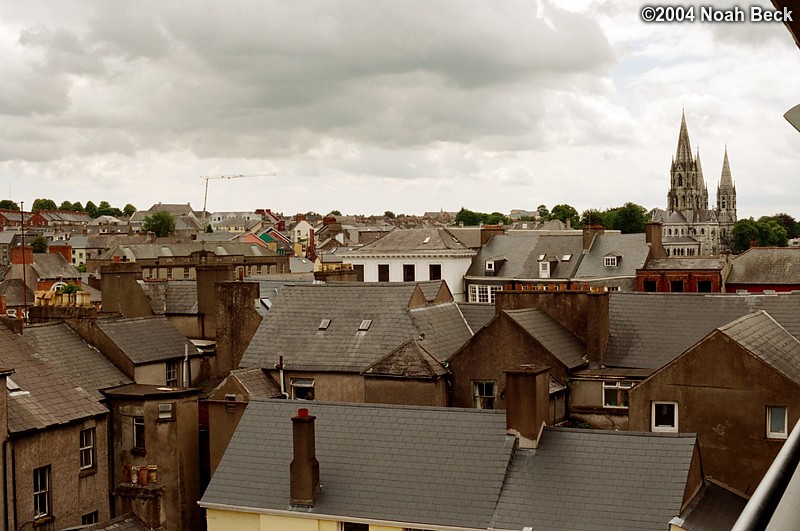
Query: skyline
(366, 107)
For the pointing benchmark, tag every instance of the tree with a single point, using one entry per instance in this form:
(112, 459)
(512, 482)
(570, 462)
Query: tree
(43, 204)
(39, 245)
(91, 209)
(335, 213)
(770, 232)
(105, 209)
(389, 214)
(592, 217)
(66, 205)
(628, 219)
(467, 217)
(744, 232)
(128, 210)
(495, 218)
(161, 223)
(77, 206)
(8, 204)
(564, 213)
(787, 222)
(71, 288)
(543, 212)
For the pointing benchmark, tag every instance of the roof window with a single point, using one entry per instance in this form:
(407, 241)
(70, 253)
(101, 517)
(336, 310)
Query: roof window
(324, 324)
(365, 324)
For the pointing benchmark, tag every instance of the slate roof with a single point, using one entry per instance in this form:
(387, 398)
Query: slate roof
(257, 383)
(291, 328)
(521, 251)
(46, 266)
(714, 508)
(410, 360)
(125, 523)
(13, 290)
(437, 466)
(762, 336)
(766, 265)
(151, 251)
(48, 397)
(469, 236)
(648, 330)
(555, 338)
(682, 264)
(596, 479)
(171, 297)
(432, 467)
(62, 347)
(413, 241)
(631, 249)
(146, 339)
(477, 315)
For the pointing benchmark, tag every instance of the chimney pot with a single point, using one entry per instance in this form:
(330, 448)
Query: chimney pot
(302, 412)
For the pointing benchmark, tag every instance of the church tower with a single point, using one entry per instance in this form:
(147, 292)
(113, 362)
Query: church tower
(688, 191)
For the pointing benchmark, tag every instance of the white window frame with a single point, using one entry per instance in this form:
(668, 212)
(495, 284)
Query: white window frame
(479, 394)
(172, 373)
(86, 442)
(621, 387)
(663, 427)
(544, 269)
(304, 383)
(610, 261)
(489, 265)
(777, 434)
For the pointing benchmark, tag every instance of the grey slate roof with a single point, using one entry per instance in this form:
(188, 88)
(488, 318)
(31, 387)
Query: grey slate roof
(48, 397)
(431, 466)
(151, 251)
(146, 339)
(413, 241)
(551, 335)
(680, 264)
(648, 330)
(521, 251)
(766, 265)
(477, 315)
(714, 508)
(762, 336)
(62, 347)
(257, 382)
(631, 249)
(593, 479)
(291, 327)
(410, 360)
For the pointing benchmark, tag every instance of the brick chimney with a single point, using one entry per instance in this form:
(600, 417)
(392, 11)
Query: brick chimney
(121, 292)
(589, 232)
(527, 401)
(597, 327)
(207, 276)
(304, 470)
(652, 235)
(19, 253)
(487, 231)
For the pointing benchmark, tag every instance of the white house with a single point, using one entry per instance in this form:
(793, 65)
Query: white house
(413, 255)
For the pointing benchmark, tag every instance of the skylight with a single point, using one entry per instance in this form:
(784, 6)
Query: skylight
(427, 239)
(364, 326)
(324, 324)
(566, 258)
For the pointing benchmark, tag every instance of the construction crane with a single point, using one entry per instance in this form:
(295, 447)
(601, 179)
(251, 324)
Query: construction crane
(207, 178)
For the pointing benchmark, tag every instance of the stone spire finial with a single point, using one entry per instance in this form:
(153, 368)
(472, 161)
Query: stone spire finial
(684, 151)
(725, 180)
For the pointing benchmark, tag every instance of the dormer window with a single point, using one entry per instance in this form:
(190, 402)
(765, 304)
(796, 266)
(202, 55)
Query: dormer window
(610, 261)
(489, 265)
(544, 269)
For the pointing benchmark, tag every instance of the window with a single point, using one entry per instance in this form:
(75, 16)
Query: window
(348, 526)
(704, 286)
(489, 265)
(776, 422)
(365, 324)
(303, 388)
(186, 273)
(324, 324)
(169, 273)
(649, 285)
(483, 394)
(138, 433)
(664, 417)
(359, 269)
(41, 491)
(610, 261)
(87, 448)
(173, 371)
(435, 271)
(165, 412)
(544, 269)
(383, 272)
(676, 286)
(483, 294)
(408, 273)
(88, 519)
(615, 394)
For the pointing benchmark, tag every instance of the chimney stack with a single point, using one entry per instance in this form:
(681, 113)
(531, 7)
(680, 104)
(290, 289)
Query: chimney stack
(527, 401)
(652, 235)
(304, 470)
(597, 327)
(589, 232)
(487, 231)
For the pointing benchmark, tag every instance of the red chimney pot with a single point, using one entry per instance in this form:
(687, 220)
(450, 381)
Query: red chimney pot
(302, 412)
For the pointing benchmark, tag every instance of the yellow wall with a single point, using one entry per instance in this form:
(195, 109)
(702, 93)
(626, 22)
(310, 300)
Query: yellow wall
(226, 520)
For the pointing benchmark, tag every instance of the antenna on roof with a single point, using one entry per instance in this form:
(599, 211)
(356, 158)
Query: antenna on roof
(235, 176)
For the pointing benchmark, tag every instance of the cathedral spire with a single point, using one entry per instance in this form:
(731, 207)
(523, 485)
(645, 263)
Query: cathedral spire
(726, 181)
(684, 151)
(701, 182)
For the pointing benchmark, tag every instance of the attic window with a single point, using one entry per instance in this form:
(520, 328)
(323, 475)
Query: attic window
(324, 324)
(566, 258)
(544, 269)
(489, 265)
(364, 326)
(610, 261)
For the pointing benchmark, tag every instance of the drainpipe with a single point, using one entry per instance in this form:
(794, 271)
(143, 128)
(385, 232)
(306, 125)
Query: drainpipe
(5, 483)
(14, 483)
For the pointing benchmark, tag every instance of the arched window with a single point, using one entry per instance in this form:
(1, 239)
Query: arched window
(680, 180)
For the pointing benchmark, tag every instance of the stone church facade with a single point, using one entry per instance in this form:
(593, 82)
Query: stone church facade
(690, 227)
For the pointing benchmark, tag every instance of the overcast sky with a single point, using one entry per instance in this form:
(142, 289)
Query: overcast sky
(408, 106)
